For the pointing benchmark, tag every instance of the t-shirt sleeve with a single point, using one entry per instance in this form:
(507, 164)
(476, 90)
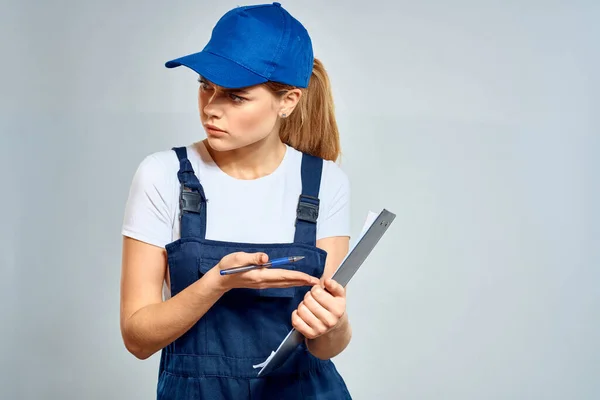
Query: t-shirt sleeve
(334, 217)
(149, 209)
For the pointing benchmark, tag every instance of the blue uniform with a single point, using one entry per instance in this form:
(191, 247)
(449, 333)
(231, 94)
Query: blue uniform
(214, 359)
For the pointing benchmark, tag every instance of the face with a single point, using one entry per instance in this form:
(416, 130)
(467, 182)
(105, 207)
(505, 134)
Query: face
(237, 118)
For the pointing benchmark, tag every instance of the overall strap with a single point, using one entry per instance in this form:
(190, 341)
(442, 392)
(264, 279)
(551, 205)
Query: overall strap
(307, 211)
(192, 201)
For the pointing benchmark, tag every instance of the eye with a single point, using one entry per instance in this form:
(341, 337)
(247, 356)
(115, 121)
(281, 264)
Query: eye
(203, 84)
(236, 98)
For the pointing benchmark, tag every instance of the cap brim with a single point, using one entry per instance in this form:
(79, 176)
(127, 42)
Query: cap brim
(218, 70)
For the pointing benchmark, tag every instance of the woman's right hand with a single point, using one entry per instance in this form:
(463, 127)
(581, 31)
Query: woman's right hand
(261, 278)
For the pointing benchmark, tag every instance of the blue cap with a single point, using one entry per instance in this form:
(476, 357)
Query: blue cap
(252, 45)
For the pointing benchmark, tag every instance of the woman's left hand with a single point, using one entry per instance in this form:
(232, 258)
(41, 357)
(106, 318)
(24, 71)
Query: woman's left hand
(321, 310)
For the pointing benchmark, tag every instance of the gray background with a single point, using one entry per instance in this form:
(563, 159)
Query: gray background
(475, 121)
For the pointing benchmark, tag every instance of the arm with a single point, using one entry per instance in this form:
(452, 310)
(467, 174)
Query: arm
(147, 323)
(339, 332)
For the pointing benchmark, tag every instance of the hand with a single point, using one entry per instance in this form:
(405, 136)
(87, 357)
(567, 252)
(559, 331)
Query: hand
(321, 310)
(261, 278)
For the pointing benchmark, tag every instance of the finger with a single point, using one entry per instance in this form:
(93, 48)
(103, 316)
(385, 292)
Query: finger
(322, 313)
(335, 288)
(279, 284)
(283, 275)
(334, 305)
(264, 279)
(321, 295)
(310, 319)
(302, 326)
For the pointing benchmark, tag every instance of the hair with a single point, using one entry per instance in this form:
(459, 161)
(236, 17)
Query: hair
(311, 128)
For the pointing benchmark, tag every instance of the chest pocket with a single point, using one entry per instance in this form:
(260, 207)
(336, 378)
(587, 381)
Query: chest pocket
(206, 264)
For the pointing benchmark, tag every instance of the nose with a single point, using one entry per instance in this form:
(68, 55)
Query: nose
(209, 105)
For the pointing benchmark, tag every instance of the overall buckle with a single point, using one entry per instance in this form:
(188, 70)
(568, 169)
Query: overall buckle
(190, 201)
(308, 209)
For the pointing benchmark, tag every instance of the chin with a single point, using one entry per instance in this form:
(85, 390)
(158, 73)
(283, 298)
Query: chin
(229, 143)
(221, 143)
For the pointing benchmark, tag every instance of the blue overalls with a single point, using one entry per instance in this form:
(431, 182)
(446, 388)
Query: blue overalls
(214, 359)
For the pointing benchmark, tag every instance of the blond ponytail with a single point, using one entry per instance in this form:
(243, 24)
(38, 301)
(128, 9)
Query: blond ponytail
(312, 128)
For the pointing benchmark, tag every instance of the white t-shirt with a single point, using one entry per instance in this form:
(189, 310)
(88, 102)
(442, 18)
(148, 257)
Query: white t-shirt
(255, 211)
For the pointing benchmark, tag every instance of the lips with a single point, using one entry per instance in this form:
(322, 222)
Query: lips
(214, 128)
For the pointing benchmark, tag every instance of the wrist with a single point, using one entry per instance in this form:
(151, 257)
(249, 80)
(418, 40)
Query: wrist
(333, 342)
(215, 281)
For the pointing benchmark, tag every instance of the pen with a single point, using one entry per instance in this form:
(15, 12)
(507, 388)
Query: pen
(273, 263)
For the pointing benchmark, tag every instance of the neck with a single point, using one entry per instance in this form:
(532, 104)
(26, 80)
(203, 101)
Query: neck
(250, 162)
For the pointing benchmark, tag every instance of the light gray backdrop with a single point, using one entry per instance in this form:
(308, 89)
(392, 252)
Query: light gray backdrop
(475, 121)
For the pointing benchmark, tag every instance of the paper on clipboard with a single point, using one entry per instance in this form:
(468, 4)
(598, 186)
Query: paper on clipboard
(358, 253)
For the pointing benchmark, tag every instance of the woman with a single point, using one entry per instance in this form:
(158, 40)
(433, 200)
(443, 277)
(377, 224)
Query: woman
(262, 185)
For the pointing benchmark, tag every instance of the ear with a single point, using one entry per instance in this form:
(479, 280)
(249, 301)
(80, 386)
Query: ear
(288, 101)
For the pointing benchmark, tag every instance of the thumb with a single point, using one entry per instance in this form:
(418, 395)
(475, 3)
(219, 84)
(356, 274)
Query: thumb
(251, 258)
(334, 288)
(259, 258)
(240, 259)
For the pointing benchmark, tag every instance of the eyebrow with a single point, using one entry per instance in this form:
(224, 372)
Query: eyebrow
(226, 90)
(241, 91)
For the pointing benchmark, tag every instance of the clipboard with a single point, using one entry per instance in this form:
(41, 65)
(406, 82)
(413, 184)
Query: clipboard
(375, 227)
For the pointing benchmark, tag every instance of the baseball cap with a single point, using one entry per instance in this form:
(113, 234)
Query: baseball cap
(254, 44)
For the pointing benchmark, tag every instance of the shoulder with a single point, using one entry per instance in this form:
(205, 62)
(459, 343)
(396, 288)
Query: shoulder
(158, 165)
(155, 176)
(158, 170)
(334, 177)
(334, 196)
(151, 205)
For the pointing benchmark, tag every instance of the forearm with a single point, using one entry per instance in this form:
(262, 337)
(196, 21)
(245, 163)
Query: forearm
(155, 326)
(332, 343)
